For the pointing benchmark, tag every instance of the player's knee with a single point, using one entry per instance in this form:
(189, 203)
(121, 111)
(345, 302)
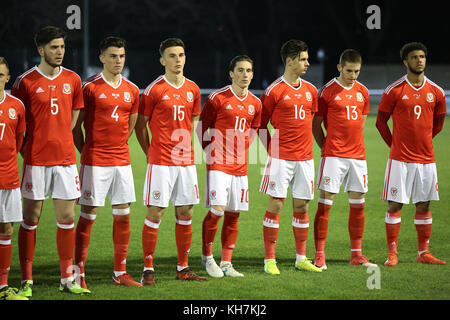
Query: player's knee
(300, 205)
(395, 206)
(275, 205)
(6, 229)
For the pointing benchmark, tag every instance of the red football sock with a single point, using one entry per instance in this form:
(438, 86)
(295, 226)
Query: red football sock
(423, 221)
(392, 222)
(27, 244)
(300, 227)
(356, 225)
(121, 238)
(271, 225)
(183, 238)
(65, 243)
(229, 234)
(82, 238)
(149, 239)
(321, 224)
(5, 258)
(209, 229)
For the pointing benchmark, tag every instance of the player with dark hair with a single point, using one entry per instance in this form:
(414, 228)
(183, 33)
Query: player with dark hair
(343, 108)
(52, 97)
(12, 128)
(289, 103)
(232, 114)
(169, 105)
(109, 117)
(417, 106)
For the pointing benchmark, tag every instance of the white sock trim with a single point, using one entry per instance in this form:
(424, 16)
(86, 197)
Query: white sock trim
(151, 224)
(121, 212)
(326, 201)
(88, 216)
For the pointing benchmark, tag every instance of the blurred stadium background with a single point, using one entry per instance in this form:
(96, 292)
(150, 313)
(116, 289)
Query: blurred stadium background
(215, 31)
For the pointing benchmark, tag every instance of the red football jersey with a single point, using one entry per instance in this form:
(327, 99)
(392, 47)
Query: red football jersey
(412, 112)
(49, 103)
(342, 110)
(290, 111)
(230, 117)
(106, 121)
(170, 110)
(12, 125)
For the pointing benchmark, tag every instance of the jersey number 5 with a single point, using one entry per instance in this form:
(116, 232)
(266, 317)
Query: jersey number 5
(54, 109)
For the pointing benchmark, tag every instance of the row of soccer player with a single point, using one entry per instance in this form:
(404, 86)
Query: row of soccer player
(50, 104)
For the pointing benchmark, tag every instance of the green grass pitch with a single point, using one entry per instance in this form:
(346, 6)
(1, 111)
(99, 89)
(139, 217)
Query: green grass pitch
(408, 280)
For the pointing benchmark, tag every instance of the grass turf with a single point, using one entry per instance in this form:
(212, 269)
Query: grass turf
(409, 280)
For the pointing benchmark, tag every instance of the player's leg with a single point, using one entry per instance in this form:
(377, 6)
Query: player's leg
(216, 199)
(88, 214)
(33, 191)
(398, 185)
(275, 182)
(302, 188)
(121, 194)
(238, 201)
(425, 189)
(356, 184)
(156, 197)
(149, 240)
(356, 221)
(6, 232)
(27, 242)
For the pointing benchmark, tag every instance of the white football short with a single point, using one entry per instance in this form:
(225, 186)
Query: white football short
(97, 182)
(280, 174)
(335, 171)
(61, 181)
(406, 180)
(223, 189)
(10, 205)
(170, 183)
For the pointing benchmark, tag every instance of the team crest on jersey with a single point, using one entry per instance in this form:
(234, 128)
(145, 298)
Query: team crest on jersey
(308, 96)
(430, 97)
(126, 96)
(394, 192)
(66, 88)
(12, 113)
(213, 194)
(251, 109)
(189, 96)
(156, 195)
(359, 96)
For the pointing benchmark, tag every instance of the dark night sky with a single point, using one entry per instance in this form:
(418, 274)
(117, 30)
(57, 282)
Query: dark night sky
(215, 31)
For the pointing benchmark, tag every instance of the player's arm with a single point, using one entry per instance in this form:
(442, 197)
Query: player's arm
(78, 137)
(438, 123)
(142, 132)
(132, 123)
(364, 119)
(266, 114)
(439, 114)
(75, 114)
(383, 128)
(317, 130)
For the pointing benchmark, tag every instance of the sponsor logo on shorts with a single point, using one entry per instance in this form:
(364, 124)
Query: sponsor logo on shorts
(213, 194)
(326, 180)
(394, 192)
(87, 194)
(156, 195)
